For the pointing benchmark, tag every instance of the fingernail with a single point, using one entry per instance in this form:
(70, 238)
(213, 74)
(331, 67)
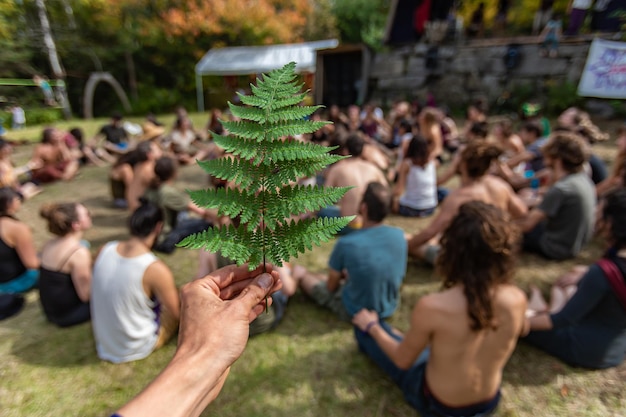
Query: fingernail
(265, 281)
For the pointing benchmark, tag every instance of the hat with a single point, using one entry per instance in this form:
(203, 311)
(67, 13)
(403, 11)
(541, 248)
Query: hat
(151, 131)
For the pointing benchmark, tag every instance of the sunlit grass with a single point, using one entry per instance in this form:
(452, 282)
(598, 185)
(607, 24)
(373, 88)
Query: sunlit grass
(308, 366)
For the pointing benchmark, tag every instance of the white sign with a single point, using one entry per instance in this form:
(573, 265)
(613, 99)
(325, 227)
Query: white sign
(604, 75)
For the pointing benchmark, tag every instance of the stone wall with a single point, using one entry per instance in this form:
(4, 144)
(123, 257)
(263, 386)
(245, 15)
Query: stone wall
(465, 71)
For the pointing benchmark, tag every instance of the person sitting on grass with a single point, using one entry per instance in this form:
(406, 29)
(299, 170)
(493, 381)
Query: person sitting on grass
(585, 322)
(562, 223)
(616, 179)
(366, 267)
(353, 172)
(19, 264)
(134, 300)
(10, 174)
(56, 161)
(450, 361)
(143, 175)
(176, 206)
(122, 172)
(476, 185)
(415, 192)
(65, 272)
(214, 330)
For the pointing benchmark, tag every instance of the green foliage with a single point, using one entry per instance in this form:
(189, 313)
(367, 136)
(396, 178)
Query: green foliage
(361, 21)
(264, 167)
(35, 116)
(562, 96)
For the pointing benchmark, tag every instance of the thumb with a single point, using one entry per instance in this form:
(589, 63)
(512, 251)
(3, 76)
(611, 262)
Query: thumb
(254, 293)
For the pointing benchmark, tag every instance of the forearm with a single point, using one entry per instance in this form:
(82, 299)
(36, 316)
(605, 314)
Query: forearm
(388, 344)
(541, 321)
(421, 238)
(184, 388)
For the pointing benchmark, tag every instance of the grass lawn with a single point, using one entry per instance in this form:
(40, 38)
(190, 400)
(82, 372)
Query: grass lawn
(308, 366)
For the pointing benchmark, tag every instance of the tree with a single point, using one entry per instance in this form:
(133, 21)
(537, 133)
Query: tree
(264, 21)
(55, 62)
(361, 21)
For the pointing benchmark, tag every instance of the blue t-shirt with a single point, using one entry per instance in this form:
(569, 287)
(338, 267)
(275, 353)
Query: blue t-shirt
(375, 260)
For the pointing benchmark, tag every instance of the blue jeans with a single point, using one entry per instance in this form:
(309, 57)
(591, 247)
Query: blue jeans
(183, 229)
(412, 380)
(27, 281)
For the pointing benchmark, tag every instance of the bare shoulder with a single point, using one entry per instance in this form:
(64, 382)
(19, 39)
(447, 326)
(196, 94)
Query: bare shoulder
(158, 270)
(511, 295)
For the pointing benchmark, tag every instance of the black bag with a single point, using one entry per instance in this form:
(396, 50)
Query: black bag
(10, 305)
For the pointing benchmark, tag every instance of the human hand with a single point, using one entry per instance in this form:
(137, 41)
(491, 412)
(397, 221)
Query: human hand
(216, 311)
(363, 318)
(572, 276)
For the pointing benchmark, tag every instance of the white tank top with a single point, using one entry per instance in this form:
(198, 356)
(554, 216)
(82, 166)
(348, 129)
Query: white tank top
(420, 191)
(123, 317)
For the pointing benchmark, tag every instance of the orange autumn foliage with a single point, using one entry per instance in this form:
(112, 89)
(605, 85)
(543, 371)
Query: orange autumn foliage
(239, 22)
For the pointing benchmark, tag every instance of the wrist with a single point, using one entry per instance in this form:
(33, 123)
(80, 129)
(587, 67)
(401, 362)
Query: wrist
(369, 326)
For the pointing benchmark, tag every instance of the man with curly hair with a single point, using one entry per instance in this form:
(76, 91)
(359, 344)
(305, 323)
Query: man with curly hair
(563, 221)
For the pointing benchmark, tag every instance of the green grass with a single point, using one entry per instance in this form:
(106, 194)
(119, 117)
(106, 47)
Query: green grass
(308, 366)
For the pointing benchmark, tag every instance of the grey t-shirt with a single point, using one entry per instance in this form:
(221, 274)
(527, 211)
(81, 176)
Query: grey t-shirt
(569, 207)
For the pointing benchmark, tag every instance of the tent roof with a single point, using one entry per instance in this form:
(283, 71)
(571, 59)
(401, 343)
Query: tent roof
(241, 60)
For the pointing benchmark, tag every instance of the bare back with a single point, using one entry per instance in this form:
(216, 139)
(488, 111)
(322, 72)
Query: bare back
(143, 174)
(465, 366)
(357, 173)
(490, 190)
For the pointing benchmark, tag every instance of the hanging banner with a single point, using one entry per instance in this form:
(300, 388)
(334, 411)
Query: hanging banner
(604, 75)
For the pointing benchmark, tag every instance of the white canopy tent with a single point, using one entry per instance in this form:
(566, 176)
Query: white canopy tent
(242, 60)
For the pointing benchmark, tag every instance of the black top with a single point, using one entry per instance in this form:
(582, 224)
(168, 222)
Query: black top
(11, 265)
(56, 292)
(114, 134)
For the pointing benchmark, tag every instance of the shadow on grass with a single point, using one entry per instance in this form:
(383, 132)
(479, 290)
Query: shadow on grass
(530, 366)
(44, 344)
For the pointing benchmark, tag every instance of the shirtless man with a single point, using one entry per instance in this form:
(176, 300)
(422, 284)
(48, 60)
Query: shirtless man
(476, 185)
(355, 172)
(54, 158)
(143, 174)
(450, 361)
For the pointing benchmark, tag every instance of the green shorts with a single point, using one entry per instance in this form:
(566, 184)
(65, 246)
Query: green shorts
(330, 300)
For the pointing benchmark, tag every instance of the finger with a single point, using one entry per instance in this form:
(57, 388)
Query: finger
(260, 308)
(235, 288)
(256, 292)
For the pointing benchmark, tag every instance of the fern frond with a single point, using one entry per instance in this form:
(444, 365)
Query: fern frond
(289, 113)
(245, 129)
(264, 166)
(296, 237)
(232, 242)
(248, 113)
(231, 202)
(240, 171)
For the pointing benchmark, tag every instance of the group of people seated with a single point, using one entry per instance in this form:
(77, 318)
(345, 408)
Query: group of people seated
(535, 188)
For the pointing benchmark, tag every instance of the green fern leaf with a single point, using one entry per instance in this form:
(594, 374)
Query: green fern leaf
(263, 168)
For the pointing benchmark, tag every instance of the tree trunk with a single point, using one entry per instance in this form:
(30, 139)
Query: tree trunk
(132, 74)
(53, 56)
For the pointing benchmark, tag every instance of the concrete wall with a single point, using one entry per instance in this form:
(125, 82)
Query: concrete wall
(465, 71)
